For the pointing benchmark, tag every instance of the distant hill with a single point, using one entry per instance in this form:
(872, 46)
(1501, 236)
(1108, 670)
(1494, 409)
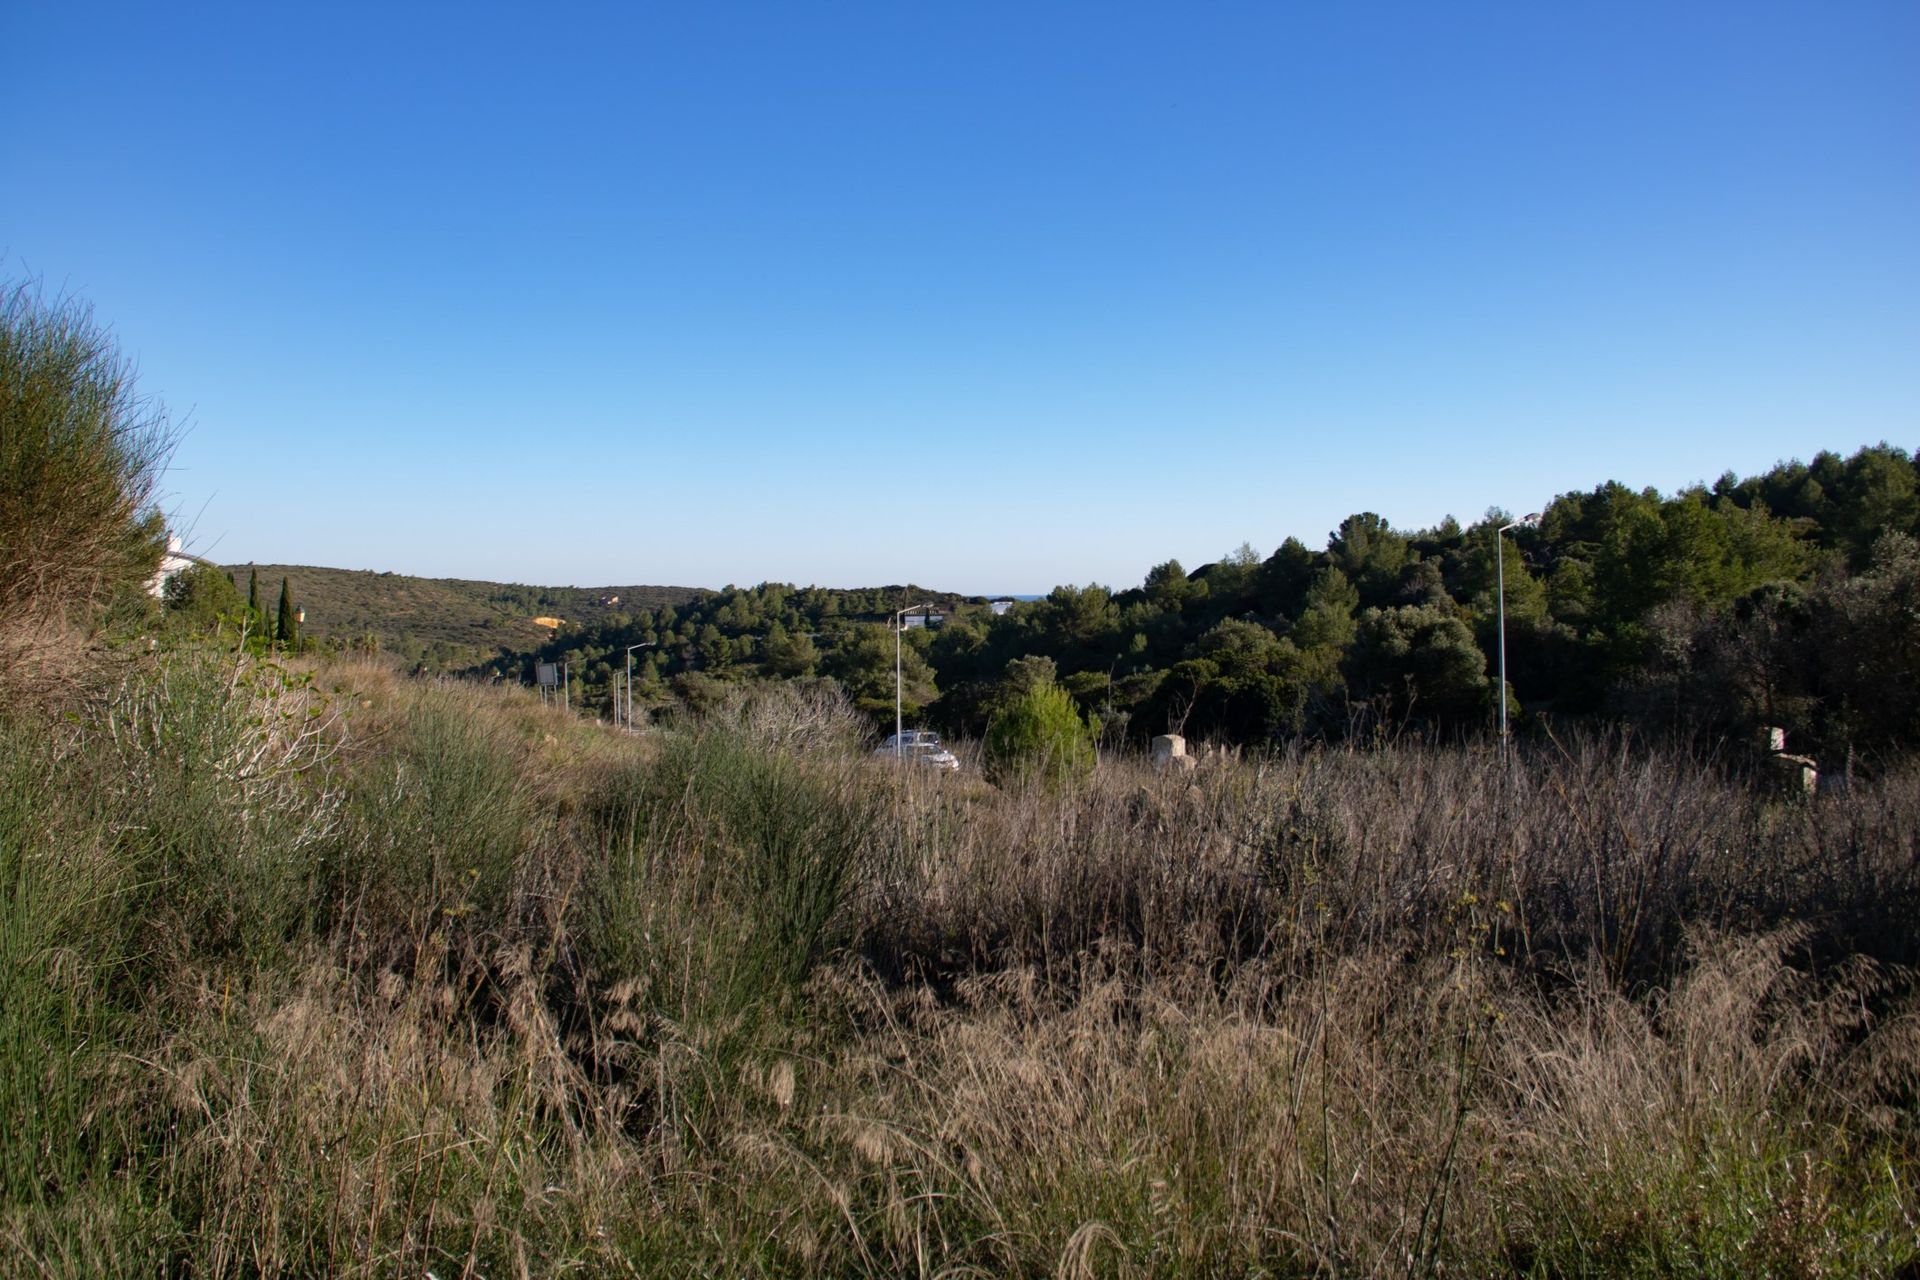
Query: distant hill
(446, 621)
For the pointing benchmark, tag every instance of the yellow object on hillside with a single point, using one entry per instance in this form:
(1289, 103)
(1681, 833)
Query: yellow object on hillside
(552, 624)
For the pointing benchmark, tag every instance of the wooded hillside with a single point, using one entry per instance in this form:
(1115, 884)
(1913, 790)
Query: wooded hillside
(448, 622)
(1786, 598)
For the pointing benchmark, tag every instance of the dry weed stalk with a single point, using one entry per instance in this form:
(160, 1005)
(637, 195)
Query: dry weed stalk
(1325, 1013)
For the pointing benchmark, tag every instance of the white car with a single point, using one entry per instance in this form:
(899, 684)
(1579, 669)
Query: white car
(919, 746)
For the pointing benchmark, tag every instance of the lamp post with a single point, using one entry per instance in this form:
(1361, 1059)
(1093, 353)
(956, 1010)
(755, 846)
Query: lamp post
(899, 625)
(630, 648)
(1500, 594)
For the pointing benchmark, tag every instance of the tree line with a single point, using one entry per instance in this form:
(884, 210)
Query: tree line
(202, 596)
(1788, 598)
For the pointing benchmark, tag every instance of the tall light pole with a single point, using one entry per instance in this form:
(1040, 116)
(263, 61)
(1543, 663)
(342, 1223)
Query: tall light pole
(1500, 594)
(899, 625)
(630, 648)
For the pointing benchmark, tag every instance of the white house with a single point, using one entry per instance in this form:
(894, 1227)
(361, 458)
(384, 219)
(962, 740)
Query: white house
(175, 561)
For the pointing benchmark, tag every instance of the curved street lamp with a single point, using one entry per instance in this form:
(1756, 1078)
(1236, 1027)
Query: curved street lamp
(899, 625)
(630, 648)
(1500, 593)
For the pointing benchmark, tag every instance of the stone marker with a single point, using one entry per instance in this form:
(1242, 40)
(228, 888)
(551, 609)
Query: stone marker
(1168, 746)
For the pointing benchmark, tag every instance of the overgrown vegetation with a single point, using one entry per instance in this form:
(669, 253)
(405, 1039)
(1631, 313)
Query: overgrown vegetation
(310, 969)
(80, 453)
(329, 972)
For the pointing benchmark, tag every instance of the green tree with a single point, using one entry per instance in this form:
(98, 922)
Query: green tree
(1759, 659)
(1869, 638)
(1486, 570)
(287, 624)
(1873, 492)
(1233, 575)
(201, 597)
(1039, 736)
(789, 655)
(1715, 551)
(1570, 591)
(1024, 675)
(1419, 660)
(1167, 586)
(1076, 618)
(1369, 552)
(1630, 542)
(1327, 620)
(1423, 582)
(1284, 579)
(716, 654)
(863, 663)
(1238, 648)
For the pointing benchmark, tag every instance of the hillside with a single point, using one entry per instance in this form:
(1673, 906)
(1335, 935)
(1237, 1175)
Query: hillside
(446, 621)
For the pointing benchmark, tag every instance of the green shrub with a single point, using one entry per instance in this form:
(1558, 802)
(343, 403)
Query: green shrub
(733, 858)
(210, 771)
(69, 1034)
(1039, 736)
(438, 831)
(80, 454)
(44, 980)
(201, 598)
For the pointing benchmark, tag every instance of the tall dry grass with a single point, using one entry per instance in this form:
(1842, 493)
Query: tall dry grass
(1600, 851)
(318, 971)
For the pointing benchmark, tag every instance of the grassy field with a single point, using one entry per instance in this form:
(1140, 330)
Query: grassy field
(448, 621)
(321, 971)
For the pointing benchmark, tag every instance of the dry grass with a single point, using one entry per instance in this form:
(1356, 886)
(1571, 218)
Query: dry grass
(424, 977)
(1601, 853)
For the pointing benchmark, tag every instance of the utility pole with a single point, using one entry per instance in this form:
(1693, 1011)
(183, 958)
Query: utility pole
(1500, 594)
(630, 648)
(899, 625)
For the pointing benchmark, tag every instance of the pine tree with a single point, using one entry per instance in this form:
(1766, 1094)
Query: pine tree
(288, 628)
(1040, 735)
(253, 591)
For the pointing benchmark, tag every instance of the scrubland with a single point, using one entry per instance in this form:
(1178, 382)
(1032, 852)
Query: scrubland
(312, 970)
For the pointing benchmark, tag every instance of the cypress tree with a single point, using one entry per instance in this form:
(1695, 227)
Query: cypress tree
(288, 627)
(258, 624)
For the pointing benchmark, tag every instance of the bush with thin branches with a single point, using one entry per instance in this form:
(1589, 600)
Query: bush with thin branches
(80, 455)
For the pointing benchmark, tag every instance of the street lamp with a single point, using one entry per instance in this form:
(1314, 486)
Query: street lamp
(899, 625)
(1500, 594)
(630, 648)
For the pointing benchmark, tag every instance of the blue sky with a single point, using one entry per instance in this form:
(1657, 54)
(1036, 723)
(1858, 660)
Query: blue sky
(985, 296)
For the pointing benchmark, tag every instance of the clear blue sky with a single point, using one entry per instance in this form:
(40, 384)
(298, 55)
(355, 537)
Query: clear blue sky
(707, 293)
